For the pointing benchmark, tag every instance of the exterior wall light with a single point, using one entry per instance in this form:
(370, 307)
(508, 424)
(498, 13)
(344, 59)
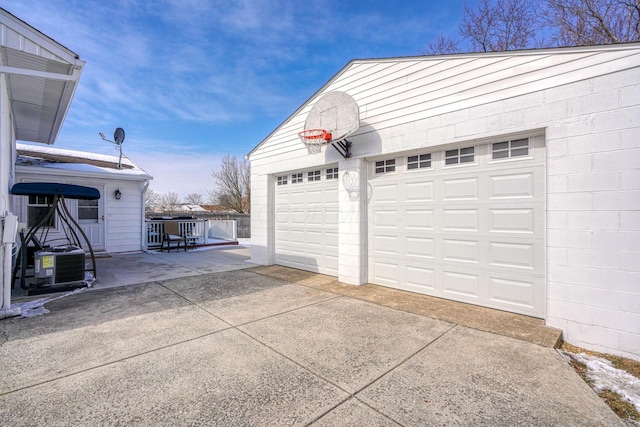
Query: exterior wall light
(118, 194)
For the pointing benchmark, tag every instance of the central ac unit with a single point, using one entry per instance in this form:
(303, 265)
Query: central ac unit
(59, 265)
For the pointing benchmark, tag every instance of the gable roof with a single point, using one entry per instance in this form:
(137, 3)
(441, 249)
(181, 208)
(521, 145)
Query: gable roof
(42, 77)
(444, 83)
(73, 162)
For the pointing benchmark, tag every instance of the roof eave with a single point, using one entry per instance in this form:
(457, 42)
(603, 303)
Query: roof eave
(45, 171)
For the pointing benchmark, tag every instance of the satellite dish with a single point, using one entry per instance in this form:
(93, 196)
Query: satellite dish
(118, 136)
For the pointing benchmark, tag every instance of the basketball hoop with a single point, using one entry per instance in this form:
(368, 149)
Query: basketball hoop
(314, 139)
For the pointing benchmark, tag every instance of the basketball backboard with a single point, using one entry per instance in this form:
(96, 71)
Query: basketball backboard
(337, 113)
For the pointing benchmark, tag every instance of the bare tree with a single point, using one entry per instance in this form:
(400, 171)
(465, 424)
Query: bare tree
(169, 201)
(194, 199)
(233, 180)
(502, 25)
(593, 22)
(151, 200)
(519, 24)
(442, 46)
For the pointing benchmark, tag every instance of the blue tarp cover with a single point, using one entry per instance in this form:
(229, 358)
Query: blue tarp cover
(69, 191)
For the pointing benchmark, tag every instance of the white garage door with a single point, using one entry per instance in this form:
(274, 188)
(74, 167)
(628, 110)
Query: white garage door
(465, 224)
(306, 220)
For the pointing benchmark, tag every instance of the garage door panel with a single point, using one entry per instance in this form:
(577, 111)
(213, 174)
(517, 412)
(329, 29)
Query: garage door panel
(385, 219)
(385, 273)
(516, 185)
(512, 220)
(419, 278)
(419, 191)
(386, 193)
(461, 220)
(297, 237)
(513, 255)
(460, 189)
(385, 244)
(419, 247)
(473, 234)
(314, 239)
(330, 217)
(419, 219)
(331, 241)
(456, 283)
(515, 292)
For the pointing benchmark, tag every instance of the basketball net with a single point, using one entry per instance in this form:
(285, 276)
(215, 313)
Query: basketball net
(314, 139)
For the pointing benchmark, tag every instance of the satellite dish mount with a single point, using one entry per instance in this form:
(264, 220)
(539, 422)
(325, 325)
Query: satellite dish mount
(333, 118)
(118, 139)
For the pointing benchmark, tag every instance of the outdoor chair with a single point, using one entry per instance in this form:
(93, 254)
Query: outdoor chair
(172, 234)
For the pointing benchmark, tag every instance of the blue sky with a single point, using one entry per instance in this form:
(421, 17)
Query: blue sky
(193, 80)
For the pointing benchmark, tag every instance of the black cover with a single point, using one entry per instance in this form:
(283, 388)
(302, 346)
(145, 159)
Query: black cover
(69, 191)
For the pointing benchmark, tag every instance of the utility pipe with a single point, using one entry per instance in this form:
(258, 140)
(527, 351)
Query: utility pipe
(7, 244)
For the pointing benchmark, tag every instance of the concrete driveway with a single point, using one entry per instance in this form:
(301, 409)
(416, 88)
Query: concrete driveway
(199, 342)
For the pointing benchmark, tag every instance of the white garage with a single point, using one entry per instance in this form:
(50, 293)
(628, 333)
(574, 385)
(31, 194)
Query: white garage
(463, 223)
(306, 220)
(507, 180)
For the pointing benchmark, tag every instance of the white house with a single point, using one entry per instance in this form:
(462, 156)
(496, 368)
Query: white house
(509, 180)
(38, 78)
(115, 222)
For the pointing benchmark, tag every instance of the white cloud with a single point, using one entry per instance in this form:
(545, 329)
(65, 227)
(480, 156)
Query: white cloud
(179, 173)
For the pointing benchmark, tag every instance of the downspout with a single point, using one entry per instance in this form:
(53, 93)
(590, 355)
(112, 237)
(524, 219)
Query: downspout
(9, 228)
(144, 212)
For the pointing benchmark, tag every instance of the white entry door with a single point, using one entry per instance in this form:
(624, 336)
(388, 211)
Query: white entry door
(306, 220)
(463, 223)
(90, 216)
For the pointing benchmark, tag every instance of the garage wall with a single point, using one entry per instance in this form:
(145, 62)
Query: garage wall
(594, 214)
(586, 103)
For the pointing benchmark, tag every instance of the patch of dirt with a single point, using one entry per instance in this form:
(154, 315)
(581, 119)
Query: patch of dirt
(624, 409)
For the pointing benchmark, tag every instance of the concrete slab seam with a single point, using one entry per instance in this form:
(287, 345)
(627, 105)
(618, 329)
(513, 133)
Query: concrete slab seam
(346, 400)
(405, 360)
(355, 393)
(315, 374)
(197, 305)
(291, 310)
(113, 362)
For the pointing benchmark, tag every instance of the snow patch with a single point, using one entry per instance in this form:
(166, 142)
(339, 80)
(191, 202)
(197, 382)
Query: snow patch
(604, 376)
(37, 308)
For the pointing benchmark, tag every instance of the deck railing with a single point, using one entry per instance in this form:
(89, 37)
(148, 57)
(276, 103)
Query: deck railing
(196, 228)
(200, 230)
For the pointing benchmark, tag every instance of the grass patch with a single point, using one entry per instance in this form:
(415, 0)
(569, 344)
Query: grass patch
(623, 409)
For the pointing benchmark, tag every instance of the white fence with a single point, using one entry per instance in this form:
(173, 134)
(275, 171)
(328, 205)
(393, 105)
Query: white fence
(201, 230)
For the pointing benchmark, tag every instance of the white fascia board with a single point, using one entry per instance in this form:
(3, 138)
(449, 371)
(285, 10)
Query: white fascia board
(77, 70)
(60, 173)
